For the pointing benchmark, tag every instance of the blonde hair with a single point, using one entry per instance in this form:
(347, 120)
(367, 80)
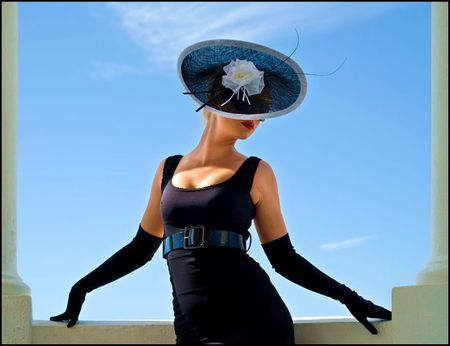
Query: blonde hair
(205, 116)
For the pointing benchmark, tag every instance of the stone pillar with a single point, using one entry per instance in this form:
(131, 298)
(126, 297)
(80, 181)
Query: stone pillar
(436, 271)
(16, 299)
(420, 312)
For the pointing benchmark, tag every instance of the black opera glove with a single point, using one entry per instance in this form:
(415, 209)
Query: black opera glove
(292, 266)
(131, 257)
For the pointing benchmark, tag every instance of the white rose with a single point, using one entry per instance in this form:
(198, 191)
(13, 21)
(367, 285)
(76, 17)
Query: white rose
(243, 74)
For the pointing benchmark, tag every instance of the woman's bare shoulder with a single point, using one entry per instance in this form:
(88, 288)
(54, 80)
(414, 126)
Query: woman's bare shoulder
(264, 172)
(264, 182)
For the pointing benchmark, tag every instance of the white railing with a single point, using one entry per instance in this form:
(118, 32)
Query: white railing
(319, 330)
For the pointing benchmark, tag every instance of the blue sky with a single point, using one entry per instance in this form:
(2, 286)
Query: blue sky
(100, 105)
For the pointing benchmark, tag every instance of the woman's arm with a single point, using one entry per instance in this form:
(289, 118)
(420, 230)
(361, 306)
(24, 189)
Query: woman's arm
(151, 220)
(129, 258)
(269, 222)
(276, 243)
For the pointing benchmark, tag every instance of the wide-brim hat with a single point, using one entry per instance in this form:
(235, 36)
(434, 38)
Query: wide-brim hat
(199, 63)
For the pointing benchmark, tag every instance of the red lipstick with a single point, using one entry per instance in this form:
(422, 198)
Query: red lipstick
(248, 124)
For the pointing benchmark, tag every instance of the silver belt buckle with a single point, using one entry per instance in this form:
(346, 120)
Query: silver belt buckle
(190, 232)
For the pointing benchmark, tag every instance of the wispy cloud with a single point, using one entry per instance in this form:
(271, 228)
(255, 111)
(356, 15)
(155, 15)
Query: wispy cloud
(164, 29)
(110, 70)
(344, 244)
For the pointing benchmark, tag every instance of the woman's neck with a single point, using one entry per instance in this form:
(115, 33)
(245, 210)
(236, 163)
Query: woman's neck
(213, 148)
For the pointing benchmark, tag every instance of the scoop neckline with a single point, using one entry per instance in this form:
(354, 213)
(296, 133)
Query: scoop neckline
(208, 186)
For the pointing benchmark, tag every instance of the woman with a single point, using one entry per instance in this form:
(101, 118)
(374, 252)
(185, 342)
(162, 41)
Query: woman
(203, 203)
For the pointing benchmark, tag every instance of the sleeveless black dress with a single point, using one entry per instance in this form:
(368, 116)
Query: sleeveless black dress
(220, 294)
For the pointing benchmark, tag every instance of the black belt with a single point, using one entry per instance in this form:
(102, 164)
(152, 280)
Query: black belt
(193, 237)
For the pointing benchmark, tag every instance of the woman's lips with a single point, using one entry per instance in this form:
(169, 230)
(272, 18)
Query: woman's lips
(248, 124)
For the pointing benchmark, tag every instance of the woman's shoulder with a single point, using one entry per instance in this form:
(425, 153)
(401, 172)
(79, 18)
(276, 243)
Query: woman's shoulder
(167, 161)
(171, 158)
(264, 173)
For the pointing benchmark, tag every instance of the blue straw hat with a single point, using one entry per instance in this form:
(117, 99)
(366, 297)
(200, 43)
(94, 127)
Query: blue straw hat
(241, 80)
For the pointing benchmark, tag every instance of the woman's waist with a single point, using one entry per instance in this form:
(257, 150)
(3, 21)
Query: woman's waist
(225, 274)
(209, 254)
(204, 228)
(204, 240)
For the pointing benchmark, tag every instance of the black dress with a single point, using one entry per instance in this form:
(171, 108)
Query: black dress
(220, 295)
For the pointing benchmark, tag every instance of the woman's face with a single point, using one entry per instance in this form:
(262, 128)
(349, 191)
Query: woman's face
(237, 129)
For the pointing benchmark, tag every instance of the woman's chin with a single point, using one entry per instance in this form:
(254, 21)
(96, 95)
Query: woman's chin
(245, 135)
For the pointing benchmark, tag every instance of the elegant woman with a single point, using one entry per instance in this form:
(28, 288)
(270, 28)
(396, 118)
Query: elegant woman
(202, 205)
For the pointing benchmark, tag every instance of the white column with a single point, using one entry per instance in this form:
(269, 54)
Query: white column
(16, 300)
(420, 312)
(436, 271)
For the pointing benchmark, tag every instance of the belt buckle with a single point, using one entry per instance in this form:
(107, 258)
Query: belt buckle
(191, 235)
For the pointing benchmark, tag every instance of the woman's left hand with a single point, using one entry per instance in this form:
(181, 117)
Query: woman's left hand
(361, 308)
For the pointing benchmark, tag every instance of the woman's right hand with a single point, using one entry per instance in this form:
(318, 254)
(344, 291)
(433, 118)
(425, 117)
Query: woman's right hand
(76, 298)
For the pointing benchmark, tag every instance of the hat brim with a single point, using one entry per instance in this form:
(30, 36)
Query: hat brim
(198, 62)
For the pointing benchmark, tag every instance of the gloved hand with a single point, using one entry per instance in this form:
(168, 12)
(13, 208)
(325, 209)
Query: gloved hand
(297, 269)
(76, 298)
(131, 257)
(361, 308)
